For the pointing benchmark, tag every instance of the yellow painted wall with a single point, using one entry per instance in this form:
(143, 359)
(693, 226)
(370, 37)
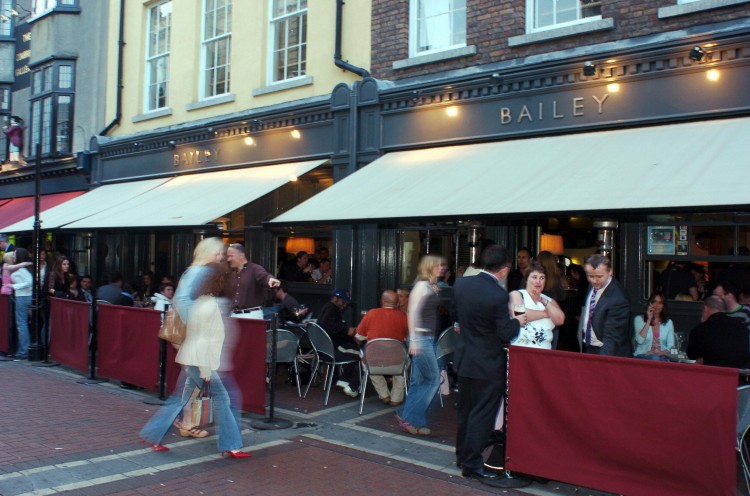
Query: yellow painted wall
(249, 50)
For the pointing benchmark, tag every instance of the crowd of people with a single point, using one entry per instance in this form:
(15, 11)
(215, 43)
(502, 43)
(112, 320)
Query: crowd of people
(494, 306)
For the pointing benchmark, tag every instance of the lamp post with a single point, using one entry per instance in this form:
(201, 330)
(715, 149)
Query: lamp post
(37, 349)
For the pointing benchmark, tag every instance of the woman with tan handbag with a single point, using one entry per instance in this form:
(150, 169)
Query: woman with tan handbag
(198, 303)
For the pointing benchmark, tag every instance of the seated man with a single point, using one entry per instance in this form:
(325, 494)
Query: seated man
(332, 321)
(289, 308)
(719, 339)
(385, 322)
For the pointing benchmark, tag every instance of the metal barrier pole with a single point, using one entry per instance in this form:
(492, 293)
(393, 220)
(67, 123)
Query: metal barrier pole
(270, 422)
(93, 334)
(162, 368)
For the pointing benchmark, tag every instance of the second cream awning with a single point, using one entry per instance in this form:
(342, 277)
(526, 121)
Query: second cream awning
(196, 199)
(668, 166)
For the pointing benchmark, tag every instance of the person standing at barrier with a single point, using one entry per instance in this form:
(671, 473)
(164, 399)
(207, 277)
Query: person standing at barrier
(486, 329)
(22, 283)
(9, 266)
(246, 284)
(605, 328)
(203, 353)
(422, 318)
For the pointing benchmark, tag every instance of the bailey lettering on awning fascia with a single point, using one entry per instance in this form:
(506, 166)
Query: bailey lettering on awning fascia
(668, 166)
(22, 208)
(90, 203)
(196, 199)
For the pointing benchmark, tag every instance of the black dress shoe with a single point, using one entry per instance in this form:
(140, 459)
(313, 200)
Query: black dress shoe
(481, 474)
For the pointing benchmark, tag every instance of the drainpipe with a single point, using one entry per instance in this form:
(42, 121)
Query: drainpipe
(120, 50)
(337, 52)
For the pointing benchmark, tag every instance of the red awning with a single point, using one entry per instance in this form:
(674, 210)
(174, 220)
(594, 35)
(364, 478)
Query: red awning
(20, 208)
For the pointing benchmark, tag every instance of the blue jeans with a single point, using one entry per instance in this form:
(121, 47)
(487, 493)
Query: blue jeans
(225, 410)
(425, 381)
(22, 322)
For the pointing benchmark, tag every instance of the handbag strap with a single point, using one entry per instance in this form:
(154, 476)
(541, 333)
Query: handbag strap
(206, 389)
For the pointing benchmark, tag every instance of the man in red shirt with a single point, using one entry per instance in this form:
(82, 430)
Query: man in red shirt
(385, 322)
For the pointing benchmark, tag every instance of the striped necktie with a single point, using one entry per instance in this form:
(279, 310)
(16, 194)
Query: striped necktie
(592, 305)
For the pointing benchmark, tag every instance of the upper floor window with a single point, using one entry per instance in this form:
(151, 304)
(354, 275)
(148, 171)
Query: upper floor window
(289, 31)
(546, 14)
(6, 17)
(40, 7)
(52, 92)
(217, 38)
(157, 55)
(437, 25)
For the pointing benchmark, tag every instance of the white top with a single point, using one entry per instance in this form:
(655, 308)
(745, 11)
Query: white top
(204, 338)
(536, 334)
(22, 282)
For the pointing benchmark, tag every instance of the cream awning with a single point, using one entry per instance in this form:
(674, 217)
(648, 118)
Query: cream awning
(668, 166)
(90, 203)
(196, 199)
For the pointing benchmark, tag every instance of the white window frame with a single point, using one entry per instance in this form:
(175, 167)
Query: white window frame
(152, 60)
(40, 7)
(531, 18)
(274, 24)
(211, 45)
(415, 31)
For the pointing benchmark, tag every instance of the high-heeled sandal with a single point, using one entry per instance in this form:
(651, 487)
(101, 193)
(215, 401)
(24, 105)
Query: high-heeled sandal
(155, 447)
(236, 454)
(194, 431)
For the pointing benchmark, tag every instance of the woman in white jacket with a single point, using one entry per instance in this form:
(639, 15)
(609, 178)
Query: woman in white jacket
(22, 282)
(202, 356)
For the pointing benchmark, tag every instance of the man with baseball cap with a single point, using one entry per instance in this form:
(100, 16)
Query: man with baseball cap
(332, 321)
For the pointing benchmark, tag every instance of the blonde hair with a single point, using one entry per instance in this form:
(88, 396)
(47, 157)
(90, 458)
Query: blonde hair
(426, 266)
(205, 252)
(8, 257)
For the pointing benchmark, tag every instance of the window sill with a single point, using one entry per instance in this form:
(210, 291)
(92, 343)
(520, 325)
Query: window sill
(210, 102)
(60, 9)
(154, 114)
(431, 58)
(551, 34)
(699, 6)
(283, 85)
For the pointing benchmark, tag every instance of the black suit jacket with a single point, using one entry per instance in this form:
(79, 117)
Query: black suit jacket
(610, 321)
(482, 308)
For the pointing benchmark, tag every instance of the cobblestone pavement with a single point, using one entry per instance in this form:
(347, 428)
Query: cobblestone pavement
(62, 436)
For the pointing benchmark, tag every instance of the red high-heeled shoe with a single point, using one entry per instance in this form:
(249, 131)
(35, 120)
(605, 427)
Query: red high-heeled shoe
(156, 447)
(236, 454)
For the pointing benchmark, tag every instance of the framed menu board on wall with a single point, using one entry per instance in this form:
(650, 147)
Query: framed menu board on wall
(661, 240)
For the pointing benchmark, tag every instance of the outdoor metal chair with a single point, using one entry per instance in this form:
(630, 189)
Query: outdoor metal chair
(325, 354)
(287, 344)
(743, 425)
(446, 344)
(383, 356)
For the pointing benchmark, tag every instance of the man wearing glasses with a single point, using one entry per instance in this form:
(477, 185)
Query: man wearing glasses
(246, 285)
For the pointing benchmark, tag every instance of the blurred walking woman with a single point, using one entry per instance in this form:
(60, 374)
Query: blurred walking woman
(201, 357)
(422, 317)
(22, 283)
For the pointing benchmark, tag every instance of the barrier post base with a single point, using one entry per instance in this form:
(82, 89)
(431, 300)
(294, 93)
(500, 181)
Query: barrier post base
(92, 381)
(268, 424)
(45, 364)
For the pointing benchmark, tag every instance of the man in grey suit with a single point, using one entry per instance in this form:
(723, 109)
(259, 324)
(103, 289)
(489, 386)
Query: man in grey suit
(605, 319)
(486, 326)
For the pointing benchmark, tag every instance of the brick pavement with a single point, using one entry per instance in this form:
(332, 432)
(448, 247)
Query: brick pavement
(63, 437)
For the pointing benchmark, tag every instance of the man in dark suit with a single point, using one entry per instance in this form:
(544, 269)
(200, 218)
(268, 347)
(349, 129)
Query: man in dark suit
(485, 328)
(605, 319)
(5, 244)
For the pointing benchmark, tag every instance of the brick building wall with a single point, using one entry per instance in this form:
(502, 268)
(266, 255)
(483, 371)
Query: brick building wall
(490, 24)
